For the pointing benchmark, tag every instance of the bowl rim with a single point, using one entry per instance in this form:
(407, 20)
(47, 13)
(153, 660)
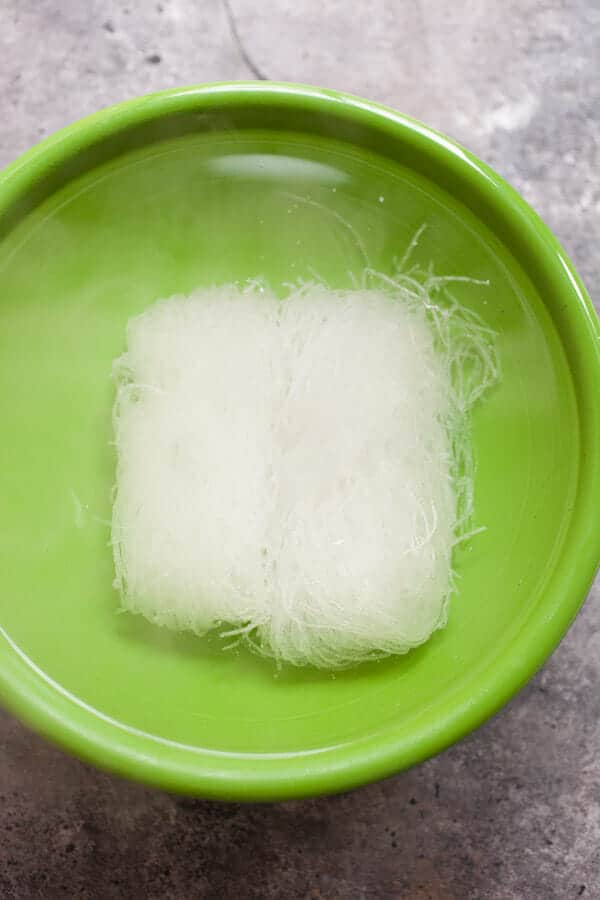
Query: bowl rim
(97, 738)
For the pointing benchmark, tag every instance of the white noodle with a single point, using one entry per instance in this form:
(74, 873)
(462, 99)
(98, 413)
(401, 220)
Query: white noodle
(298, 471)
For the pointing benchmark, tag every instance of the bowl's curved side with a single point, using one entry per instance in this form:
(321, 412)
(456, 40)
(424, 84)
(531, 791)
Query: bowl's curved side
(110, 744)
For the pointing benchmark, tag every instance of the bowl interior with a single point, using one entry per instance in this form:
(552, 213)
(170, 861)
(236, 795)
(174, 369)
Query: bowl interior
(198, 204)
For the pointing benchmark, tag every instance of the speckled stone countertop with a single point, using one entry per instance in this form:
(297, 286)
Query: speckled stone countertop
(513, 812)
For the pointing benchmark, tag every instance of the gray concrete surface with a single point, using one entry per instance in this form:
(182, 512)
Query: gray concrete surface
(512, 813)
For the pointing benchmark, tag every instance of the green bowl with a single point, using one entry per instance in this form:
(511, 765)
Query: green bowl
(223, 182)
